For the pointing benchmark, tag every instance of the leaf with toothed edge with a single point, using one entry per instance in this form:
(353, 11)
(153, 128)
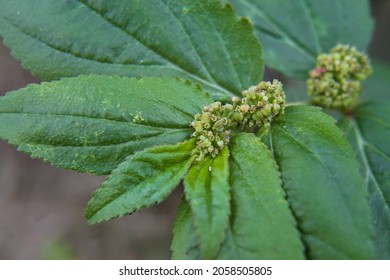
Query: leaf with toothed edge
(60, 38)
(92, 123)
(142, 180)
(369, 132)
(261, 225)
(293, 33)
(321, 178)
(207, 191)
(184, 243)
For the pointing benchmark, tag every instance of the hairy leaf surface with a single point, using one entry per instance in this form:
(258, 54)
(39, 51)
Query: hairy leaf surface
(261, 225)
(92, 123)
(369, 133)
(184, 245)
(325, 190)
(207, 191)
(293, 33)
(202, 41)
(142, 180)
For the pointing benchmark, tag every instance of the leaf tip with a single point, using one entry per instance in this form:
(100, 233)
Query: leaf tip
(245, 21)
(229, 7)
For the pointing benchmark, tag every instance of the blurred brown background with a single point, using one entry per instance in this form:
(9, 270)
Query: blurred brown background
(42, 207)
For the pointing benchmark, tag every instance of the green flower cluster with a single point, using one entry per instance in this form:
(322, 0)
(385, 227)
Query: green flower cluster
(336, 81)
(258, 106)
(212, 129)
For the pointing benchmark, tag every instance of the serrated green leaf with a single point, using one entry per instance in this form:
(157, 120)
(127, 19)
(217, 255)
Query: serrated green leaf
(142, 180)
(202, 41)
(261, 224)
(207, 191)
(92, 123)
(325, 190)
(184, 243)
(293, 33)
(369, 134)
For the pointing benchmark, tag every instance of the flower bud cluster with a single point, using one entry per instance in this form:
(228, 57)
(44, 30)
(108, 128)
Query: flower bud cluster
(336, 81)
(258, 106)
(212, 129)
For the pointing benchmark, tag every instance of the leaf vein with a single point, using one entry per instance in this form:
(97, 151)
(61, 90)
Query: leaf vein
(369, 174)
(288, 38)
(207, 71)
(148, 124)
(309, 11)
(172, 64)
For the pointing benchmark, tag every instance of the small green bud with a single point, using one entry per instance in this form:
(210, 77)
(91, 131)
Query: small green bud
(197, 125)
(244, 108)
(266, 110)
(228, 107)
(335, 82)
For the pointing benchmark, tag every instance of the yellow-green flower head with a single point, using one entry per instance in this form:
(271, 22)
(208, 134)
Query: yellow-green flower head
(336, 81)
(212, 129)
(259, 104)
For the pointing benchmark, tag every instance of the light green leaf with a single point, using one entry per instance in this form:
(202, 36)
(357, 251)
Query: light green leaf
(261, 224)
(202, 41)
(92, 123)
(293, 33)
(325, 190)
(184, 243)
(142, 180)
(207, 191)
(369, 133)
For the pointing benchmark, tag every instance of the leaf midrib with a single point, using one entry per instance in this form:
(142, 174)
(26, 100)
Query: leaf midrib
(146, 182)
(289, 39)
(369, 173)
(213, 83)
(330, 177)
(231, 228)
(148, 124)
(104, 145)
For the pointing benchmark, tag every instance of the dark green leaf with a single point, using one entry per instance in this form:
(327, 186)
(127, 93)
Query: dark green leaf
(293, 33)
(296, 91)
(261, 224)
(369, 133)
(202, 41)
(142, 180)
(207, 191)
(92, 123)
(377, 86)
(325, 190)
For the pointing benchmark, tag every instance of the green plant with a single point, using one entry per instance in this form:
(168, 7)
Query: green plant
(262, 179)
